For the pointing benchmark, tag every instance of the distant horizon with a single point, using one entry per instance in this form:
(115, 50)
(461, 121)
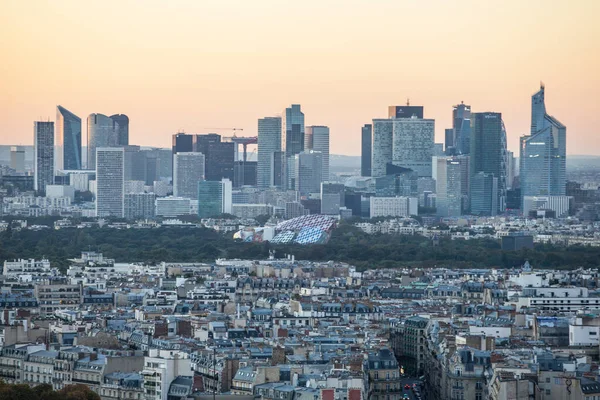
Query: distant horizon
(189, 65)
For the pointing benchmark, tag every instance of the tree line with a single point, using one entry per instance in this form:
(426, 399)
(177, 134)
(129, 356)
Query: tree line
(347, 244)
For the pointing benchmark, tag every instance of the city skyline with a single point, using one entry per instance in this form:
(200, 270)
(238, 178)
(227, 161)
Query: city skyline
(344, 91)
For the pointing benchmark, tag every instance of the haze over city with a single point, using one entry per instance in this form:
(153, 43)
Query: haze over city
(195, 65)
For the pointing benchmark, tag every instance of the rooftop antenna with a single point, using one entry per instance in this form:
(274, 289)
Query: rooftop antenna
(542, 86)
(408, 102)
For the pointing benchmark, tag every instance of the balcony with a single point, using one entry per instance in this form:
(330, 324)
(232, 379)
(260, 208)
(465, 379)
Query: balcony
(241, 388)
(85, 382)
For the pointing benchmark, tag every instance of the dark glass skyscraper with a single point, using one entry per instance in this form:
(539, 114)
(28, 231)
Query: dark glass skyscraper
(219, 156)
(543, 153)
(181, 143)
(365, 155)
(68, 140)
(405, 111)
(461, 125)
(484, 194)
(292, 140)
(488, 152)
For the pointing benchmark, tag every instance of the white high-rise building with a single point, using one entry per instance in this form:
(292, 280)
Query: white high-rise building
(559, 204)
(447, 174)
(393, 206)
(161, 368)
(43, 146)
(317, 138)
(110, 181)
(188, 170)
(172, 206)
(269, 142)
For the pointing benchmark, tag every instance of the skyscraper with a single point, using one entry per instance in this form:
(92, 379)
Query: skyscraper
(269, 141)
(484, 194)
(214, 198)
(43, 145)
(381, 149)
(181, 143)
(110, 181)
(68, 140)
(413, 144)
(510, 169)
(319, 141)
(365, 155)
(308, 169)
(219, 156)
(461, 125)
(102, 131)
(542, 159)
(447, 174)
(292, 139)
(449, 142)
(188, 170)
(488, 153)
(123, 121)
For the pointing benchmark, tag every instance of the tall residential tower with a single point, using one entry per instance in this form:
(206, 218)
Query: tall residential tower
(43, 145)
(110, 182)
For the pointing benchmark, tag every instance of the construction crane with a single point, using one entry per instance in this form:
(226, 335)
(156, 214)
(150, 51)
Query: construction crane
(225, 129)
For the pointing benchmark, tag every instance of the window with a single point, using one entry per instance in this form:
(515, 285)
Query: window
(478, 386)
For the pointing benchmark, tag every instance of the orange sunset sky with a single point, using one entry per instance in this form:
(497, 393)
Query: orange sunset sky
(193, 64)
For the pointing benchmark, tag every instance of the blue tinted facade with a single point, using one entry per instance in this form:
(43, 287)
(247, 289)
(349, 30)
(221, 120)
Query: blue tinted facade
(68, 139)
(543, 153)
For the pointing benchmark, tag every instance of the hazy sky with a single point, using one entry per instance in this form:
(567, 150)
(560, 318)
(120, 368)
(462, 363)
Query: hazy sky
(190, 65)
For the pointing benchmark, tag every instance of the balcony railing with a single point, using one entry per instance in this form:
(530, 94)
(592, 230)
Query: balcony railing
(77, 380)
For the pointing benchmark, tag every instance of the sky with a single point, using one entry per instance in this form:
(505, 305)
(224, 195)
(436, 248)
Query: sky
(196, 65)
